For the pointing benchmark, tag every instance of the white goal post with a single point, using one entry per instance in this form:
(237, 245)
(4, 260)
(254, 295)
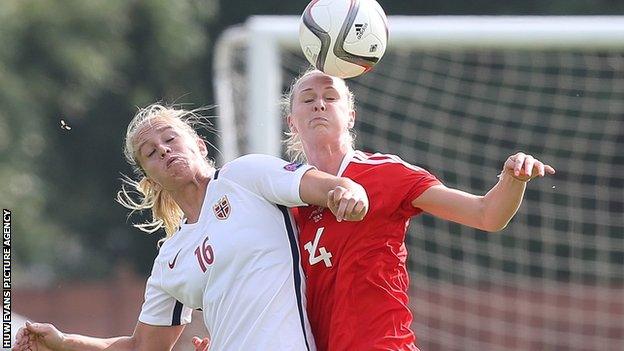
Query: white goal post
(457, 95)
(265, 36)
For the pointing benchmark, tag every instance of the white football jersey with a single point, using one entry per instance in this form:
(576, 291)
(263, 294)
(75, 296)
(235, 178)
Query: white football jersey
(239, 262)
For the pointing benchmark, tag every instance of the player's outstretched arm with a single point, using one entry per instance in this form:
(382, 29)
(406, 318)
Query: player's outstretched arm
(493, 211)
(346, 199)
(46, 337)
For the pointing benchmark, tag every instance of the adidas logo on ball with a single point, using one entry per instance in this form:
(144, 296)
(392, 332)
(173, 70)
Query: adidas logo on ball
(359, 29)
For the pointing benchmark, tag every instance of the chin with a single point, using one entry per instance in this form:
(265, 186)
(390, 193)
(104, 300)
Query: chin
(180, 171)
(324, 132)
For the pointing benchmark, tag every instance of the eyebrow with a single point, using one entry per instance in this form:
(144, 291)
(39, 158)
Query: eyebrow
(325, 88)
(159, 129)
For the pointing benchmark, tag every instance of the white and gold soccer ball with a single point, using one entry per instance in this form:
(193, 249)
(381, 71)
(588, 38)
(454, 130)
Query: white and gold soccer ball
(343, 38)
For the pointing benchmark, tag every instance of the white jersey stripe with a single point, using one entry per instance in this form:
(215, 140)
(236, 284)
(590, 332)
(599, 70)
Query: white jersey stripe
(366, 159)
(297, 274)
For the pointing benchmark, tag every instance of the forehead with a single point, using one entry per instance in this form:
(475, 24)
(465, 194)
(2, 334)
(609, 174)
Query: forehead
(319, 79)
(152, 127)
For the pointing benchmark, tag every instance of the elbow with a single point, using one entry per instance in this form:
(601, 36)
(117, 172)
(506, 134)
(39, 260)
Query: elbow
(493, 224)
(494, 227)
(493, 219)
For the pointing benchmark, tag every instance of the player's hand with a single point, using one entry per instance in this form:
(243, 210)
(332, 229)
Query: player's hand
(349, 205)
(201, 344)
(525, 167)
(38, 337)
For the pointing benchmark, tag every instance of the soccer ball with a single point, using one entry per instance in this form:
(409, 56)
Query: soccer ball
(343, 38)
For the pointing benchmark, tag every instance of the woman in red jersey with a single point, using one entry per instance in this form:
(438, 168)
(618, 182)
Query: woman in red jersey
(356, 273)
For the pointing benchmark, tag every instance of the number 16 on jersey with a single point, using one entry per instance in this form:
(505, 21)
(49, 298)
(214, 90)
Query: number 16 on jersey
(323, 254)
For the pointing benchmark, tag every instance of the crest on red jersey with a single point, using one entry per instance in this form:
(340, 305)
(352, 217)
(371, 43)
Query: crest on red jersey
(317, 214)
(222, 208)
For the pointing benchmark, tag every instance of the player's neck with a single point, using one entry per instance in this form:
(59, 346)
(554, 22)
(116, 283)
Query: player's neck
(190, 197)
(327, 158)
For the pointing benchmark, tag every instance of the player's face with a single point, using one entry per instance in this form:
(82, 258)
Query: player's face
(320, 108)
(168, 154)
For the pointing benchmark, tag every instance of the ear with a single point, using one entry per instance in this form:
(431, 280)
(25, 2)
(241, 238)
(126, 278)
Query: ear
(351, 119)
(203, 149)
(291, 125)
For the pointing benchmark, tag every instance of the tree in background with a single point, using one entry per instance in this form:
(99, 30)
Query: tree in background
(89, 64)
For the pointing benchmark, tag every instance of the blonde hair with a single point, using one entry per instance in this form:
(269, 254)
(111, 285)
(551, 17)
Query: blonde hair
(294, 145)
(150, 195)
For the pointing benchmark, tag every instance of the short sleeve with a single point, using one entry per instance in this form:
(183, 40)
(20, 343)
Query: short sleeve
(269, 177)
(422, 180)
(160, 308)
(408, 183)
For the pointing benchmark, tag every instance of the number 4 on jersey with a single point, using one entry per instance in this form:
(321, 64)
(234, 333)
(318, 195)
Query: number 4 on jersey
(323, 254)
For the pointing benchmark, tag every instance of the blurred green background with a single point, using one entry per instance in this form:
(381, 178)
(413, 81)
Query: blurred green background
(91, 64)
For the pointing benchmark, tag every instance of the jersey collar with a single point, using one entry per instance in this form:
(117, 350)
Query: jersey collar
(345, 162)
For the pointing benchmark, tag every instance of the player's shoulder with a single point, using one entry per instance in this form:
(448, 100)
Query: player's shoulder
(247, 164)
(383, 161)
(251, 159)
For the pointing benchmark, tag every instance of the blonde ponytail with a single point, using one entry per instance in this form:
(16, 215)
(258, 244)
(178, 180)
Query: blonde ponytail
(147, 195)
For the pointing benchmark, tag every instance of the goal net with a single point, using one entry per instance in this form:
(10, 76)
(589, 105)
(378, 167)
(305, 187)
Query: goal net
(457, 96)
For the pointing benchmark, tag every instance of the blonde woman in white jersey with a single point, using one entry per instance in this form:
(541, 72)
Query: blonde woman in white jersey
(230, 247)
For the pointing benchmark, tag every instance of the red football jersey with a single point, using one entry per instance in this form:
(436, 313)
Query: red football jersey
(356, 272)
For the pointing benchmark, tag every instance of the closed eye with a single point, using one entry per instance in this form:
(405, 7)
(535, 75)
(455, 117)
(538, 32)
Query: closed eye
(151, 153)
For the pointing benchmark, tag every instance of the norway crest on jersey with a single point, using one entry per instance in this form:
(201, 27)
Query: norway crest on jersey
(222, 208)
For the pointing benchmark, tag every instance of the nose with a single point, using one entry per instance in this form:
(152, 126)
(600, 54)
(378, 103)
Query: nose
(163, 150)
(319, 105)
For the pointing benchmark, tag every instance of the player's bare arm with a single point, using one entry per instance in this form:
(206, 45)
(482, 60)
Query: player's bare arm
(494, 210)
(46, 337)
(346, 199)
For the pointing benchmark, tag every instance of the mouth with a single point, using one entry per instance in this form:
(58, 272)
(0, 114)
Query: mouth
(318, 119)
(171, 160)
